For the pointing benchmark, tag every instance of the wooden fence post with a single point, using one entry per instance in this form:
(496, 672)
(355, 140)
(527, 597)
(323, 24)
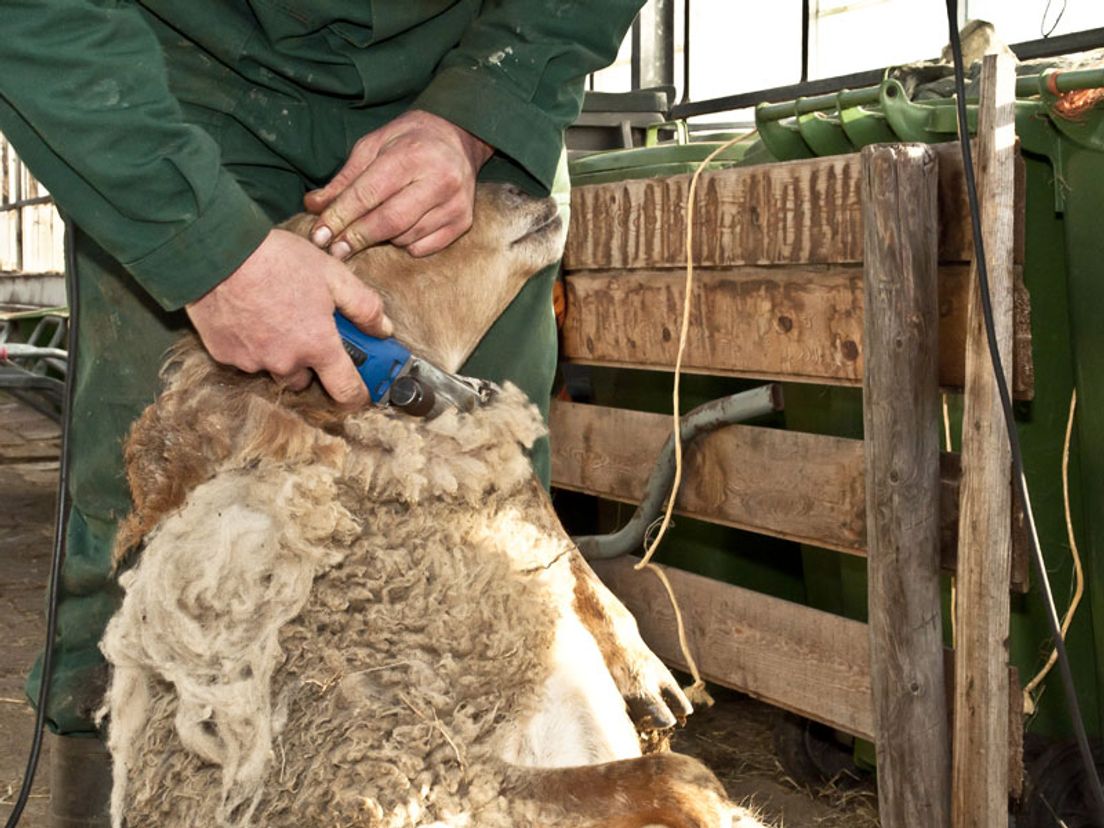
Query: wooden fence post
(980, 777)
(901, 419)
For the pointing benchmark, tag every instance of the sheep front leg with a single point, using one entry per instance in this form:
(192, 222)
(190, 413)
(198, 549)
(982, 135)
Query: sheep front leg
(651, 693)
(654, 698)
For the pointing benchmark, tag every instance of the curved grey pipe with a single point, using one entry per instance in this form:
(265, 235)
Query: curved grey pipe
(44, 394)
(703, 419)
(25, 380)
(21, 350)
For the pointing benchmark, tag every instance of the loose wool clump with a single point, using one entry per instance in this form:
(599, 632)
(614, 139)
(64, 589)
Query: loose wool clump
(326, 626)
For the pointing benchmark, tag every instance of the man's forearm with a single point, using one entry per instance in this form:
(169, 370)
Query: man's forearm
(85, 100)
(516, 78)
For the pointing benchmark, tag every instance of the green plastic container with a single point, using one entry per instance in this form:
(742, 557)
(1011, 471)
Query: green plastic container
(654, 161)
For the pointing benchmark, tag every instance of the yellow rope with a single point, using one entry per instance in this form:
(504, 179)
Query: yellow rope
(948, 446)
(695, 692)
(1078, 572)
(684, 330)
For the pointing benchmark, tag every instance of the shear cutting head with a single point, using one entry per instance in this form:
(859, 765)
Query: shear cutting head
(394, 376)
(425, 390)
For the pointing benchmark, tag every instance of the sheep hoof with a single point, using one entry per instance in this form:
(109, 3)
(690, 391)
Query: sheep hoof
(655, 700)
(650, 713)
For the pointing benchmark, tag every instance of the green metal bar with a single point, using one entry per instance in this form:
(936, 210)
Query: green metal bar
(1071, 81)
(1026, 86)
(819, 103)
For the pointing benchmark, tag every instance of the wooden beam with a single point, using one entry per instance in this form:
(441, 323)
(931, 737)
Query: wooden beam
(802, 487)
(981, 728)
(807, 488)
(901, 426)
(810, 662)
(798, 323)
(1015, 735)
(796, 212)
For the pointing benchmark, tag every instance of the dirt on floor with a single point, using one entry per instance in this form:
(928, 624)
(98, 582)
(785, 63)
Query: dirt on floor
(735, 737)
(29, 446)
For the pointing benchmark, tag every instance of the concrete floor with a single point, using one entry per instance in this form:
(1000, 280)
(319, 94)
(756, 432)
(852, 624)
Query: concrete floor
(28, 476)
(734, 738)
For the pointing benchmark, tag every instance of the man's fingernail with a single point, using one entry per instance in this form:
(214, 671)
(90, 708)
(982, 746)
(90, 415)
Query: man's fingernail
(322, 235)
(387, 327)
(340, 250)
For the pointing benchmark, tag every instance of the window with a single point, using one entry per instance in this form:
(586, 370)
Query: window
(1020, 21)
(743, 47)
(32, 233)
(848, 36)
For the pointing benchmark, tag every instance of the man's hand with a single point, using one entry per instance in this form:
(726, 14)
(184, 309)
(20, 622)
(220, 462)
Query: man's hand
(275, 314)
(411, 182)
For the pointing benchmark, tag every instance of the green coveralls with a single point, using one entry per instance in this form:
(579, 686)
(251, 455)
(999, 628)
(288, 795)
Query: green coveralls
(176, 132)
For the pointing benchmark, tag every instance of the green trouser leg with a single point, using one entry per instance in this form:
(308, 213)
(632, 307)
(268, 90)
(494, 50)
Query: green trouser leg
(122, 338)
(521, 347)
(522, 344)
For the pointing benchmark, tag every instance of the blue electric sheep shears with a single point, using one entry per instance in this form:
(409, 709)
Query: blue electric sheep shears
(394, 376)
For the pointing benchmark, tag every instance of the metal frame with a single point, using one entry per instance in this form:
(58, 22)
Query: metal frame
(30, 371)
(1028, 50)
(653, 45)
(11, 163)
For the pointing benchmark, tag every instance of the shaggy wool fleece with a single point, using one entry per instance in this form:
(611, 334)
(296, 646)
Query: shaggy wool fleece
(327, 626)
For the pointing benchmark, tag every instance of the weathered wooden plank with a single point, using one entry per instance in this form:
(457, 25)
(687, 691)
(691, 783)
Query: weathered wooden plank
(1015, 735)
(797, 212)
(981, 654)
(1015, 721)
(954, 302)
(804, 660)
(794, 323)
(901, 427)
(950, 479)
(803, 487)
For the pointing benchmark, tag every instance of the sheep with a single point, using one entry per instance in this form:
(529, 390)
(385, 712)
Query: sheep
(372, 619)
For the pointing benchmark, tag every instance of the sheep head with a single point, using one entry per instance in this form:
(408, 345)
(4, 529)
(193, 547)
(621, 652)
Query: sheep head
(443, 304)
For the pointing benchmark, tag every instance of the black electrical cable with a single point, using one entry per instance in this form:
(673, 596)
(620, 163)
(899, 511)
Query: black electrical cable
(61, 523)
(805, 22)
(685, 52)
(1043, 30)
(1018, 476)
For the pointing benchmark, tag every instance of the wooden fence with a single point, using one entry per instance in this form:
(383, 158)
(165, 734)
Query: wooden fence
(851, 270)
